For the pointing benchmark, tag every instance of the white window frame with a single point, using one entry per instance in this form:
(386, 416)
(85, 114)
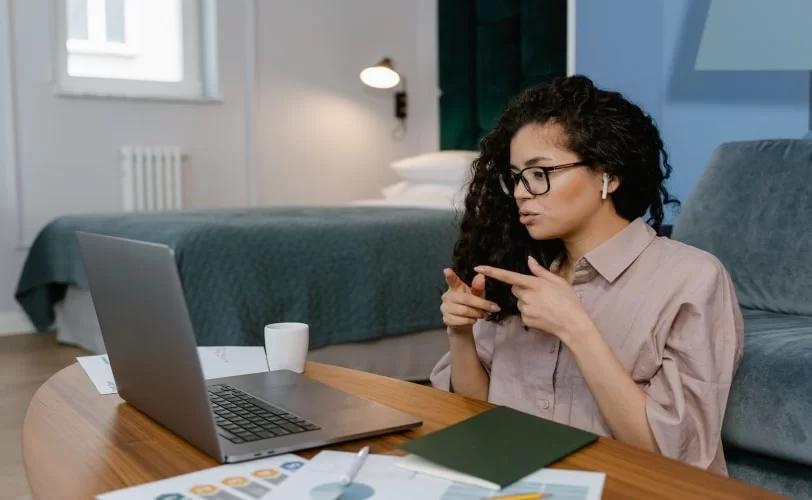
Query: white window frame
(97, 43)
(196, 51)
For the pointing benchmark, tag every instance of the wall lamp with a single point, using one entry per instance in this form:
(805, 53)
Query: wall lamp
(384, 76)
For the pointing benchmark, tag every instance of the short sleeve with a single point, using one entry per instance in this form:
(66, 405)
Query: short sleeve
(484, 335)
(687, 397)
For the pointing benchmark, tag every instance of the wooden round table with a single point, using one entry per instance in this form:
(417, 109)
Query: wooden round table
(78, 443)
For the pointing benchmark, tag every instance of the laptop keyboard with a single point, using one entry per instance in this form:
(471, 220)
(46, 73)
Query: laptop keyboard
(242, 418)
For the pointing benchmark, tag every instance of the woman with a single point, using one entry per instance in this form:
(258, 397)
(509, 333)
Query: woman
(564, 303)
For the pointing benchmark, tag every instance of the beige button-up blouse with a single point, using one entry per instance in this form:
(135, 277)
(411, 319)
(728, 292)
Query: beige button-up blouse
(668, 311)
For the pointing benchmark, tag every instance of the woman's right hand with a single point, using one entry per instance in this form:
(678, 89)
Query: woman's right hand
(463, 305)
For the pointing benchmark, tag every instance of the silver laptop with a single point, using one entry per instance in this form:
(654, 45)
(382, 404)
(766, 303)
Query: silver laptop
(145, 324)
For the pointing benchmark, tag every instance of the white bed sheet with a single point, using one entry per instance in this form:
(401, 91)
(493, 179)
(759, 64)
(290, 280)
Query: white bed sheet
(438, 204)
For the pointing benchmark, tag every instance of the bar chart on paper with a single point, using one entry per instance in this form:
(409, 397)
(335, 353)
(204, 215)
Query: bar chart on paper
(257, 480)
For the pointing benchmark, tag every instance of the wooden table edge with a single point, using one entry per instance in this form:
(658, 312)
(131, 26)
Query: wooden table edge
(603, 442)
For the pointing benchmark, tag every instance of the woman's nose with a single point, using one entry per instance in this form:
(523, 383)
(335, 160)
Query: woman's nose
(521, 192)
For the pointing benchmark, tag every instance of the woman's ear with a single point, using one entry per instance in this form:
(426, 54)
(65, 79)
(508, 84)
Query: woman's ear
(614, 183)
(610, 184)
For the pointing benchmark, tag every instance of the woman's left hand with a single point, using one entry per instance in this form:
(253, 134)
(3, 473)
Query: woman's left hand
(546, 302)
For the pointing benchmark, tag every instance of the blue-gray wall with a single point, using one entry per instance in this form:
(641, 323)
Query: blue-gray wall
(647, 48)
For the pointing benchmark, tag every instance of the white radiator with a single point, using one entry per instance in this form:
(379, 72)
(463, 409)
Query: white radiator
(151, 178)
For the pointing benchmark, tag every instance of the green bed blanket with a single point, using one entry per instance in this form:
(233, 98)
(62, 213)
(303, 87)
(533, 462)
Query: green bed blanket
(352, 273)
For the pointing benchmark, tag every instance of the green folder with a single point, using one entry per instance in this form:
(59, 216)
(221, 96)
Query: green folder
(500, 445)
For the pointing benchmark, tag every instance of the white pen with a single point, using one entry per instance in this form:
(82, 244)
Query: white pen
(349, 476)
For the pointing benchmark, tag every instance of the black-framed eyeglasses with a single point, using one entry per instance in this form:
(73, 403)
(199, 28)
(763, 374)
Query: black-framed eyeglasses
(535, 179)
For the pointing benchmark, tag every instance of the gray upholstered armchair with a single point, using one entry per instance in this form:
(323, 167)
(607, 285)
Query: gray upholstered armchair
(752, 209)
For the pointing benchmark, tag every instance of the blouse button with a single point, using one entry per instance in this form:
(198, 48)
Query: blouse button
(552, 348)
(545, 404)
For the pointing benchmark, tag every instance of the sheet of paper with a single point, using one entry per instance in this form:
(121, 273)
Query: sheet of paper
(379, 479)
(217, 362)
(564, 484)
(228, 361)
(255, 480)
(98, 369)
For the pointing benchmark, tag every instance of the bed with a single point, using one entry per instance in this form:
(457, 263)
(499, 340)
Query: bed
(367, 277)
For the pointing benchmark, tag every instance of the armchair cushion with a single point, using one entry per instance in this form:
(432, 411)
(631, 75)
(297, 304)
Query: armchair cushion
(751, 209)
(770, 406)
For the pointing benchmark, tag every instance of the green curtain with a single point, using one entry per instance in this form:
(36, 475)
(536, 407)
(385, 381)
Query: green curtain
(489, 50)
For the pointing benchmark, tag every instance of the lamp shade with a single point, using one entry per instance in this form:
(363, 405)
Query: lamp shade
(757, 35)
(381, 75)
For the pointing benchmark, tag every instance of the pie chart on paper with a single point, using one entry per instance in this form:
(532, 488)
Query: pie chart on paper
(331, 491)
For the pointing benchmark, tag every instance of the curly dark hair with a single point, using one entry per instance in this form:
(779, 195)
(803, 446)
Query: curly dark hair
(604, 129)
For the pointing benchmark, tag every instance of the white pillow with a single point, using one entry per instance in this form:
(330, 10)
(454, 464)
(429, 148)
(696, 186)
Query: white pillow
(441, 167)
(425, 192)
(393, 190)
(407, 192)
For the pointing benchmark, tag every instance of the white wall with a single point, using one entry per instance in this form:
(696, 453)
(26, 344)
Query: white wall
(323, 137)
(314, 119)
(11, 319)
(68, 146)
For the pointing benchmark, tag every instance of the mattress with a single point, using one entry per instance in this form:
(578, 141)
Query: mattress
(407, 357)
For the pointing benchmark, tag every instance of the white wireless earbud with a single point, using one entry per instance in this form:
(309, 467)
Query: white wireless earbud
(605, 185)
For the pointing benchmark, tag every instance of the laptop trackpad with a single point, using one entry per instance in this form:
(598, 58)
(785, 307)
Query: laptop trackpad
(298, 394)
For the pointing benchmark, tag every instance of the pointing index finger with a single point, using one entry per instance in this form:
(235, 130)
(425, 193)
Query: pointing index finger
(505, 276)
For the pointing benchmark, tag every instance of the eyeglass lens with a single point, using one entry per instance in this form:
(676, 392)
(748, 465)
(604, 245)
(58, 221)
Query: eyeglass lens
(535, 181)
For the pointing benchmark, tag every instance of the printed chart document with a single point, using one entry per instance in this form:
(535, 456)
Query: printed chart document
(255, 480)
(379, 478)
(217, 362)
(558, 484)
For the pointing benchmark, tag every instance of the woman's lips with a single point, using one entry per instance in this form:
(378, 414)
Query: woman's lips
(526, 218)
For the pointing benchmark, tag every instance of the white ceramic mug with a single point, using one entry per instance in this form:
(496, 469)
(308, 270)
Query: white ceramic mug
(286, 346)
